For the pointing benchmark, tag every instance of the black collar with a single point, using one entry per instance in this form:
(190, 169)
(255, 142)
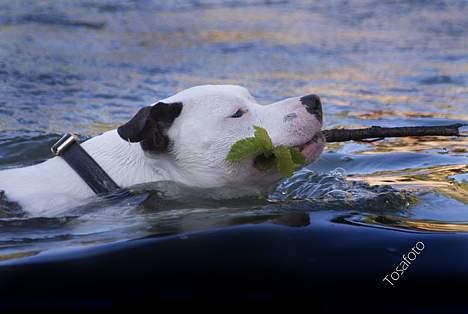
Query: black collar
(68, 147)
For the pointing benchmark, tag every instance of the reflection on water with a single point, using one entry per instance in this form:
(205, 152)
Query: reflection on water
(429, 143)
(432, 178)
(403, 223)
(86, 67)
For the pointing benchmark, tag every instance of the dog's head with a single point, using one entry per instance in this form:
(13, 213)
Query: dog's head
(196, 128)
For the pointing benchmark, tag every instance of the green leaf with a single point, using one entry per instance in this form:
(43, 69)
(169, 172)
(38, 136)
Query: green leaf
(263, 163)
(264, 140)
(243, 148)
(260, 146)
(297, 157)
(284, 161)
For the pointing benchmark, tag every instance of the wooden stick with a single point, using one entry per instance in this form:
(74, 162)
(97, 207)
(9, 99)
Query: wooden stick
(379, 133)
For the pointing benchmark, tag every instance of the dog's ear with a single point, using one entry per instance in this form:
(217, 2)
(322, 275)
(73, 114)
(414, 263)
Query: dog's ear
(149, 126)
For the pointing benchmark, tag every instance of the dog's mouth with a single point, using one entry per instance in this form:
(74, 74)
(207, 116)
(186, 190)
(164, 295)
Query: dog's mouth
(314, 140)
(310, 149)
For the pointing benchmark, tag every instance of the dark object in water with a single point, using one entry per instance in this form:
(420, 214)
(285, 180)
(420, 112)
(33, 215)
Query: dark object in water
(378, 133)
(328, 268)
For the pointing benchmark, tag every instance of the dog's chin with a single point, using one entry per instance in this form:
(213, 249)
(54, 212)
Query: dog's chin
(313, 147)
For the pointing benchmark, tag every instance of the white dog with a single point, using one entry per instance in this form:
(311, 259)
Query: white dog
(185, 139)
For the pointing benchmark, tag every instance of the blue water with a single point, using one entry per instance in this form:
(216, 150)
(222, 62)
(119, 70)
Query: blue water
(87, 66)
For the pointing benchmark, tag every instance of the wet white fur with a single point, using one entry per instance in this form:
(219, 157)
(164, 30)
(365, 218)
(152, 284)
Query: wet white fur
(202, 136)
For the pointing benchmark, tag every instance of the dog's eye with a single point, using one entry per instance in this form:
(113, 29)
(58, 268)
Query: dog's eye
(239, 113)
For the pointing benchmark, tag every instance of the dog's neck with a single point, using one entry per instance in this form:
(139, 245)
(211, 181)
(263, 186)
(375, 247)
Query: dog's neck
(126, 163)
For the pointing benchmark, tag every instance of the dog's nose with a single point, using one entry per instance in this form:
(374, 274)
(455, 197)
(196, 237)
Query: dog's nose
(313, 105)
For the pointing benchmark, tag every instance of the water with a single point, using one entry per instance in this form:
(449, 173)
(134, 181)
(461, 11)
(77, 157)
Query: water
(87, 66)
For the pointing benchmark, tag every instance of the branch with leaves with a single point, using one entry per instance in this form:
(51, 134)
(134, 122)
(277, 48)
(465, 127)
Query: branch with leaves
(287, 159)
(267, 156)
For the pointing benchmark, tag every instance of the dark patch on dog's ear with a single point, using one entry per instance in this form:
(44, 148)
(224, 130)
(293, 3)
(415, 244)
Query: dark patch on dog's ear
(149, 126)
